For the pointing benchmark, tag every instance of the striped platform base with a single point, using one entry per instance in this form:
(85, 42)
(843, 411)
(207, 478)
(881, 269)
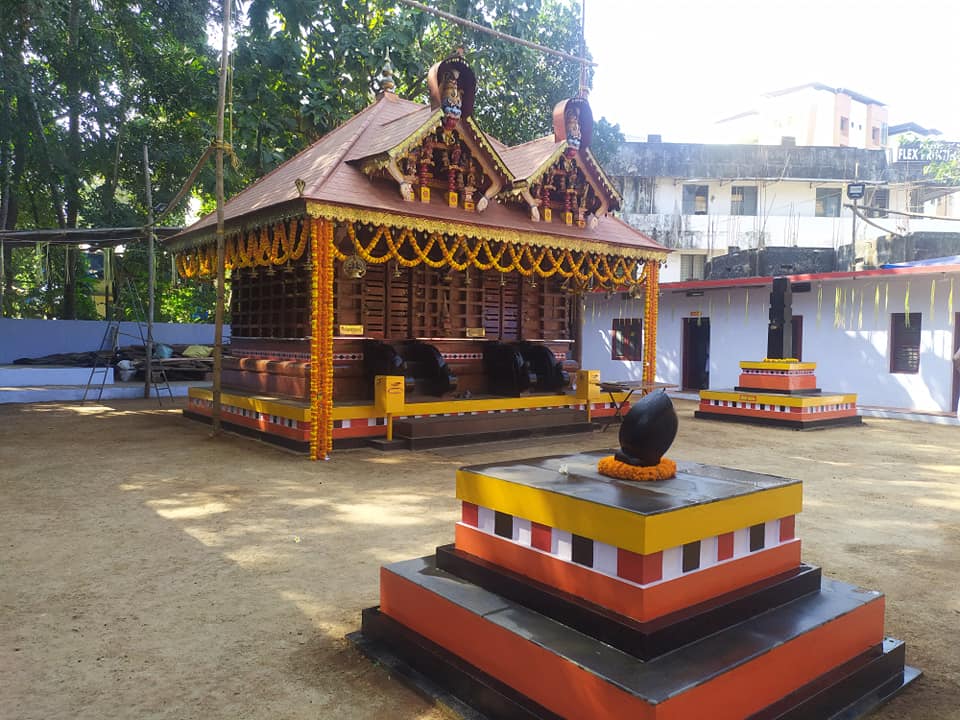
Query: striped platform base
(570, 595)
(782, 393)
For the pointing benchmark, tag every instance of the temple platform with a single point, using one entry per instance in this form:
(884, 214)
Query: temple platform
(571, 595)
(414, 422)
(781, 393)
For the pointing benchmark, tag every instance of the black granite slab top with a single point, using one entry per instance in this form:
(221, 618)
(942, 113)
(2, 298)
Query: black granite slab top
(695, 483)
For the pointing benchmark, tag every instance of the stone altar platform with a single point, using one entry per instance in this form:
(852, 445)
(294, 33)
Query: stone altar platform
(571, 595)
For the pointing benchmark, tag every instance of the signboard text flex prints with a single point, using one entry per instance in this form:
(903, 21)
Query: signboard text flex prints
(928, 152)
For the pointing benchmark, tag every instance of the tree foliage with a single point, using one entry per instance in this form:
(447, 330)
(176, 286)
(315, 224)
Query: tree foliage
(85, 84)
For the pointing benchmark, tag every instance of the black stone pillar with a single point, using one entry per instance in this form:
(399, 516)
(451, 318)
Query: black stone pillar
(780, 329)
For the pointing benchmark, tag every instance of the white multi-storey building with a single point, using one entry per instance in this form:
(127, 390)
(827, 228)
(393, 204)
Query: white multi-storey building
(702, 200)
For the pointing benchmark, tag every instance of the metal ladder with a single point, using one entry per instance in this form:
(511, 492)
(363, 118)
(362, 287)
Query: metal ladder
(158, 375)
(101, 366)
(111, 341)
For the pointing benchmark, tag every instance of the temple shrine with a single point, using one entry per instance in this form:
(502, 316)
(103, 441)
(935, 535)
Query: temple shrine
(408, 277)
(779, 390)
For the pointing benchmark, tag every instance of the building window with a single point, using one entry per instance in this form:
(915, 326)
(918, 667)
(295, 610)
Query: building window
(627, 339)
(828, 202)
(880, 202)
(945, 206)
(916, 201)
(695, 199)
(844, 125)
(875, 135)
(743, 200)
(905, 343)
(692, 266)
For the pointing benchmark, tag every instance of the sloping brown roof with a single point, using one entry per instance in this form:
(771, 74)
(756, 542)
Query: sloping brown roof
(340, 189)
(391, 132)
(315, 164)
(524, 160)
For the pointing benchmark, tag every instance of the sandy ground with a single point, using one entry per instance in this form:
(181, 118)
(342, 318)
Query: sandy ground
(149, 571)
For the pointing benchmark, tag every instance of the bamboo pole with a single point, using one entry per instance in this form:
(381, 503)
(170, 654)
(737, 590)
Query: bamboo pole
(221, 271)
(151, 276)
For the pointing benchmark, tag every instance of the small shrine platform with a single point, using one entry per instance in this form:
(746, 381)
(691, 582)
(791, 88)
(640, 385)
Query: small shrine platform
(571, 595)
(781, 393)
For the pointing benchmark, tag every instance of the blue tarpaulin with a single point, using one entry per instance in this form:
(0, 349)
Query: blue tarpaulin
(951, 260)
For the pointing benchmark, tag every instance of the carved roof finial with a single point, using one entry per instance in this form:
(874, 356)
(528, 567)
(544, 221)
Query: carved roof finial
(384, 81)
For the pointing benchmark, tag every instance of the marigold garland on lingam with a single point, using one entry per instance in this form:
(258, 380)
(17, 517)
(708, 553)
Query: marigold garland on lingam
(611, 467)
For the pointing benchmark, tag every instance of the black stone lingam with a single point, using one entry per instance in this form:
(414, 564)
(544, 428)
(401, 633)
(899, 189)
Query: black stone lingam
(648, 430)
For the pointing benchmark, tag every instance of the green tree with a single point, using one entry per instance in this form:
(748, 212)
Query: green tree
(302, 68)
(84, 84)
(607, 140)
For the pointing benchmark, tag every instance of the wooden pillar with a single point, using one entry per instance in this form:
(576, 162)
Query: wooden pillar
(321, 339)
(651, 307)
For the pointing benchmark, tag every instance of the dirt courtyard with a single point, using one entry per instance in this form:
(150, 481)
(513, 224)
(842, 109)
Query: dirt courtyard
(149, 571)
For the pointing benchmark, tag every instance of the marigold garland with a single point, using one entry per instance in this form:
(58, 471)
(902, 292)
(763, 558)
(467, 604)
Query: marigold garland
(266, 246)
(611, 467)
(321, 339)
(651, 306)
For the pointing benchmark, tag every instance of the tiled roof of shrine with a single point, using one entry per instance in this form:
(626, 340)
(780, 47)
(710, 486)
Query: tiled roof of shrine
(332, 182)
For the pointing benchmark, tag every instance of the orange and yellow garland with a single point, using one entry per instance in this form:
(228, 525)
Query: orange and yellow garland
(611, 467)
(651, 307)
(266, 247)
(321, 340)
(257, 248)
(480, 253)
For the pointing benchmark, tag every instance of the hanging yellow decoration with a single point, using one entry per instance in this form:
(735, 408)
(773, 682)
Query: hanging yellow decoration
(836, 308)
(260, 247)
(321, 339)
(906, 305)
(950, 304)
(886, 296)
(265, 246)
(326, 345)
(933, 295)
(746, 307)
(316, 325)
(651, 308)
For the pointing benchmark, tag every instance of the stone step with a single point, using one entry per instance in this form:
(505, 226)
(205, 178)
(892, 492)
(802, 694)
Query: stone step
(825, 647)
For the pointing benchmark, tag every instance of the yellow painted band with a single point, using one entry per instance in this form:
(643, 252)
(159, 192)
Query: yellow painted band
(301, 411)
(760, 365)
(485, 404)
(259, 404)
(642, 534)
(785, 400)
(356, 412)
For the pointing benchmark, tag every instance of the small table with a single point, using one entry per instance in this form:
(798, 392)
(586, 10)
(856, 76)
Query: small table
(628, 387)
